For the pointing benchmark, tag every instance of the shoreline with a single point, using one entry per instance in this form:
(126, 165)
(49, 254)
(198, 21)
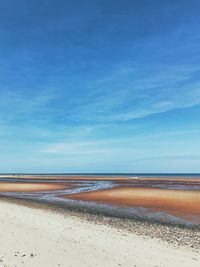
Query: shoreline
(43, 237)
(167, 201)
(175, 235)
(104, 177)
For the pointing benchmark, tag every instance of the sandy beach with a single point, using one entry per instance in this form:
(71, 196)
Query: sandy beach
(38, 237)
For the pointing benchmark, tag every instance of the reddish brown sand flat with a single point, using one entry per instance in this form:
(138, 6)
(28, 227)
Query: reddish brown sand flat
(182, 203)
(32, 187)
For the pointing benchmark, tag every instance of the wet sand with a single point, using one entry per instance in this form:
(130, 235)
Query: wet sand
(149, 182)
(166, 199)
(103, 178)
(67, 177)
(182, 203)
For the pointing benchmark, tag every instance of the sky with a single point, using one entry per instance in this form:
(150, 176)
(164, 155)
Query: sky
(99, 86)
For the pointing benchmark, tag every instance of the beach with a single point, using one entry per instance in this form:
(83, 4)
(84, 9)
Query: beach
(99, 133)
(42, 237)
(88, 220)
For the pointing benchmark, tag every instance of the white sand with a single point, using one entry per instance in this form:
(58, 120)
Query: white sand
(56, 240)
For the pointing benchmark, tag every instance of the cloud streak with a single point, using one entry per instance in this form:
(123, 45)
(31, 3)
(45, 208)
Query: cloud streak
(161, 91)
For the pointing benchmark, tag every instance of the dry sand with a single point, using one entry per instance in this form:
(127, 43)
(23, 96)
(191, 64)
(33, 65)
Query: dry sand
(33, 238)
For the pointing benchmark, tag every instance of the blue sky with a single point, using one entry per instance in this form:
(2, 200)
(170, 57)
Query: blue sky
(100, 86)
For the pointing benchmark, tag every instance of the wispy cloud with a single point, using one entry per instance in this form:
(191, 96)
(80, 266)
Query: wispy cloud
(16, 105)
(97, 148)
(158, 90)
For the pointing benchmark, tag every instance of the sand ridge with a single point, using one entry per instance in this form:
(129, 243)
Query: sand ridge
(32, 187)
